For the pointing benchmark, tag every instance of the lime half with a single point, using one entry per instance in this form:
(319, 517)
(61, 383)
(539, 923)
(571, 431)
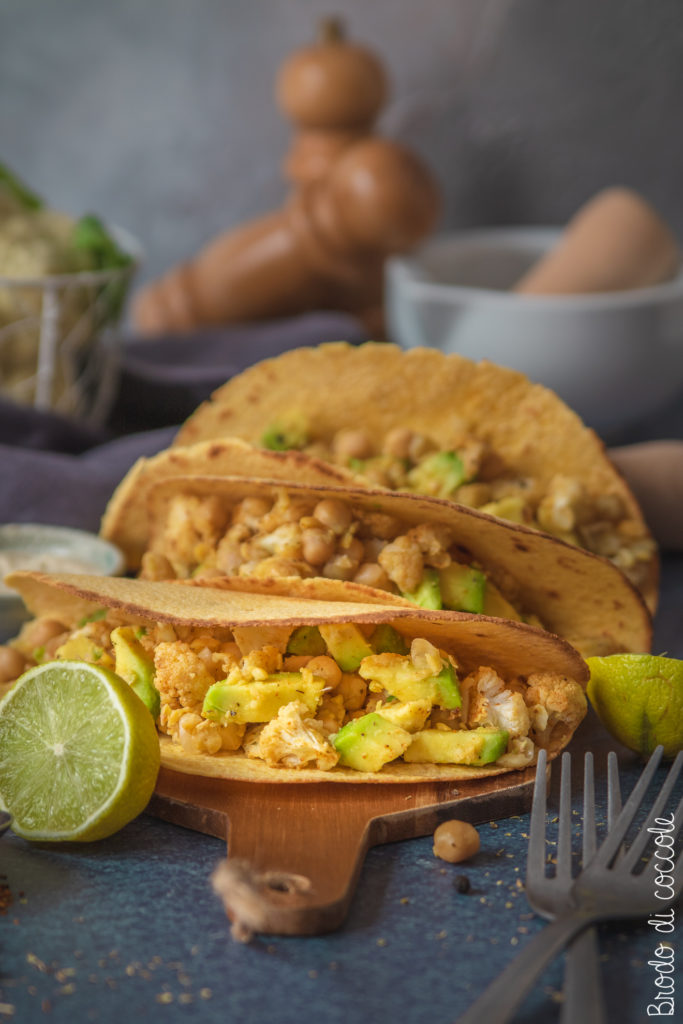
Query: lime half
(79, 753)
(639, 700)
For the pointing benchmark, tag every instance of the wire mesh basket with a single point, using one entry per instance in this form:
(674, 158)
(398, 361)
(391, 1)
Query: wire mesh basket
(59, 342)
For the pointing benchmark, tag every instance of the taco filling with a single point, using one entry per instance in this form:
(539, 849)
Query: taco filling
(473, 474)
(289, 534)
(357, 696)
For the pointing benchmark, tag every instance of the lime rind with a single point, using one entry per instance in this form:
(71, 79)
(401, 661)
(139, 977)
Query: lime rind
(79, 753)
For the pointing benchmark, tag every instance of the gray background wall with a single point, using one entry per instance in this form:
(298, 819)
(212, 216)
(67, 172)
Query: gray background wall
(159, 114)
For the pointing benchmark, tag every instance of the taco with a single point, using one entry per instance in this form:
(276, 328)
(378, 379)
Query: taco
(334, 543)
(419, 420)
(245, 686)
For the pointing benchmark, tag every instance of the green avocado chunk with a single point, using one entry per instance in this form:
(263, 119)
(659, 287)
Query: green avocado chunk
(282, 436)
(346, 644)
(428, 592)
(387, 640)
(306, 640)
(398, 676)
(135, 666)
(459, 746)
(439, 474)
(369, 742)
(463, 588)
(260, 700)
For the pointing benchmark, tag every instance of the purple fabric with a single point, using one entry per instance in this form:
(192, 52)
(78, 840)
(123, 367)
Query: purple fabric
(56, 471)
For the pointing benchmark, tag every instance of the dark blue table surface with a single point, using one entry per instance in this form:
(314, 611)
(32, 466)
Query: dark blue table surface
(130, 929)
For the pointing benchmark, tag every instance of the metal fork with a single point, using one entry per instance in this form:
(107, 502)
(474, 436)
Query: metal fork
(550, 896)
(606, 889)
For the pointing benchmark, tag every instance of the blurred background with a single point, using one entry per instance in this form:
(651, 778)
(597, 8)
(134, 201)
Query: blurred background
(161, 116)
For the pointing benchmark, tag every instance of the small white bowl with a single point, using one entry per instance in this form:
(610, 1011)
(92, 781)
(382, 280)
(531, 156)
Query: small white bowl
(48, 549)
(615, 358)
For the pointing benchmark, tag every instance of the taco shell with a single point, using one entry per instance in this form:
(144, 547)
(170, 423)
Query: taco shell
(511, 648)
(379, 386)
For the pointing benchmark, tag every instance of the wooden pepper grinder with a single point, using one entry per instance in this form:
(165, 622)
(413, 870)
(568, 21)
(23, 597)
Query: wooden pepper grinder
(333, 91)
(325, 249)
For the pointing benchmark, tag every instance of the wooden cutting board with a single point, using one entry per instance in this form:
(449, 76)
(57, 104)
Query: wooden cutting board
(301, 846)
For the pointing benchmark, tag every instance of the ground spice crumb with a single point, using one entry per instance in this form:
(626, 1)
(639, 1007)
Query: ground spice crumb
(527, 917)
(46, 1006)
(509, 856)
(381, 942)
(519, 883)
(194, 950)
(130, 970)
(469, 938)
(493, 824)
(164, 997)
(184, 979)
(31, 958)
(499, 882)
(32, 990)
(508, 905)
(482, 899)
(7, 1009)
(443, 871)
(271, 949)
(110, 983)
(68, 990)
(494, 941)
(333, 965)
(405, 899)
(64, 973)
(79, 954)
(185, 997)
(523, 930)
(205, 993)
(442, 934)
(514, 940)
(92, 978)
(5, 897)
(102, 963)
(312, 974)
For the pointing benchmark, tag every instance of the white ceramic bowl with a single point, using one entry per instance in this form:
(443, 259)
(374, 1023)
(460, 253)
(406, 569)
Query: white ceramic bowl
(614, 358)
(48, 549)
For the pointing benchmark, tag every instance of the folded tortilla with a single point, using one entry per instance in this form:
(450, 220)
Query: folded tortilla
(573, 593)
(526, 428)
(533, 669)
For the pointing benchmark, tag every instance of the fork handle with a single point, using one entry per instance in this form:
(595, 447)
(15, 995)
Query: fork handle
(583, 999)
(499, 1001)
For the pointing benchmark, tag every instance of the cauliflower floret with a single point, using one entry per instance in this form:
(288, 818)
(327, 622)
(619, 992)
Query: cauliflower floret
(520, 753)
(197, 735)
(491, 702)
(293, 740)
(191, 529)
(410, 716)
(556, 707)
(434, 540)
(402, 562)
(181, 677)
(261, 663)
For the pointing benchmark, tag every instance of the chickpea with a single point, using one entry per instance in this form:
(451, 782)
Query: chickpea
(370, 574)
(352, 444)
(397, 442)
(353, 691)
(12, 664)
(318, 545)
(326, 668)
(339, 567)
(156, 566)
(39, 632)
(455, 841)
(333, 514)
(250, 511)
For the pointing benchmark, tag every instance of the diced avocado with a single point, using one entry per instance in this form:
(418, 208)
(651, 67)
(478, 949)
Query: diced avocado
(459, 746)
(411, 716)
(428, 592)
(84, 648)
(306, 640)
(386, 639)
(260, 701)
(135, 666)
(369, 742)
(439, 474)
(463, 588)
(448, 689)
(497, 605)
(511, 508)
(346, 644)
(399, 677)
(285, 434)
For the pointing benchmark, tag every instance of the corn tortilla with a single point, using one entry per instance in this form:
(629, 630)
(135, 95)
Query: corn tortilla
(380, 386)
(578, 595)
(512, 648)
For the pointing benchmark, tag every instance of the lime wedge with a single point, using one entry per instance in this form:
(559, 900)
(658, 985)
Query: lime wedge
(79, 753)
(639, 700)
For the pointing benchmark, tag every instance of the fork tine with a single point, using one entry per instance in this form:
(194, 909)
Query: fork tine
(564, 838)
(535, 865)
(613, 789)
(644, 836)
(589, 841)
(615, 838)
